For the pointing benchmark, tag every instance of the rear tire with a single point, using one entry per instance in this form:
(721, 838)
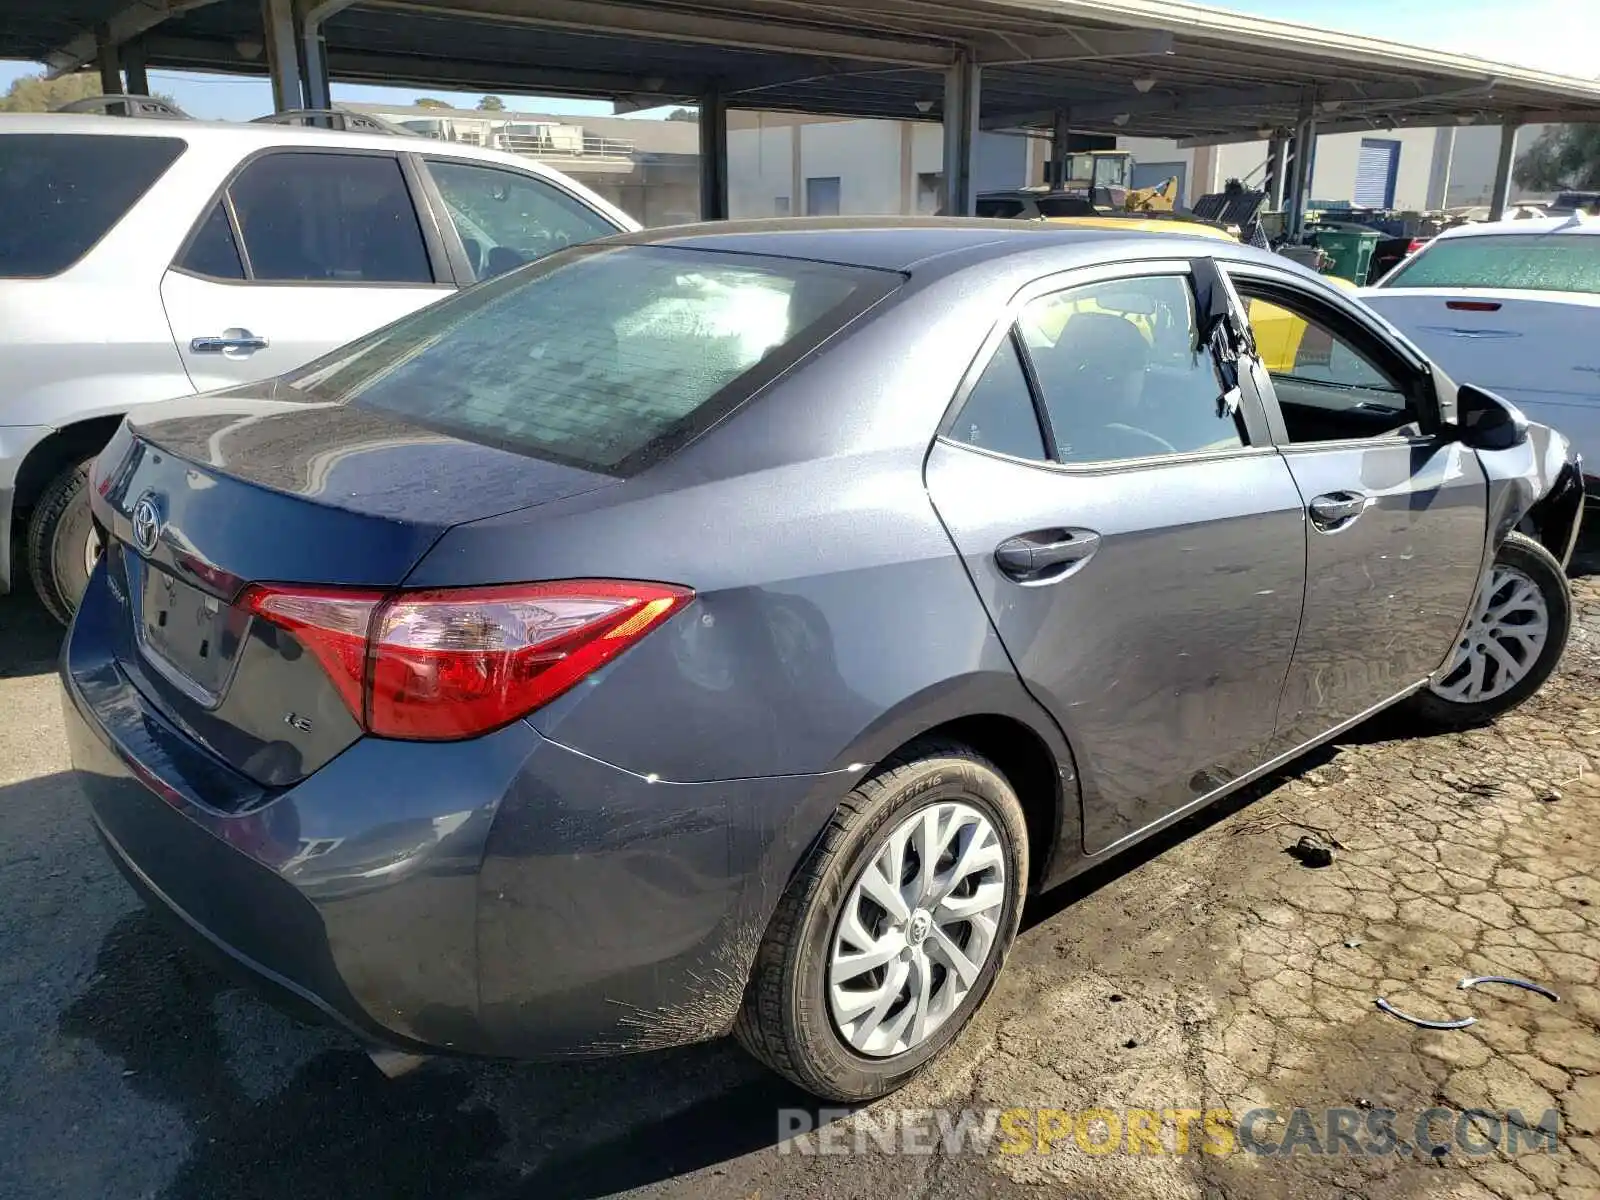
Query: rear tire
(798, 989)
(62, 541)
(1515, 664)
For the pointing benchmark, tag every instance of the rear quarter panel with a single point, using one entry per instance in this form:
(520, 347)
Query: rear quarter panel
(830, 599)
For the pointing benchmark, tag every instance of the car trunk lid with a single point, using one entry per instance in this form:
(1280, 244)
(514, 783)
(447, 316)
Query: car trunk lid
(203, 498)
(1540, 350)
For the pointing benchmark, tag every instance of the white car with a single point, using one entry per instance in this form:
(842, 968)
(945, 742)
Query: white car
(144, 258)
(1513, 306)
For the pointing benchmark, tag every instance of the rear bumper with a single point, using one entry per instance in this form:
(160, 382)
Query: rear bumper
(505, 896)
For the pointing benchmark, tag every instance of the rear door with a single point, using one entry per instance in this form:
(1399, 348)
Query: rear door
(1395, 510)
(1137, 542)
(303, 251)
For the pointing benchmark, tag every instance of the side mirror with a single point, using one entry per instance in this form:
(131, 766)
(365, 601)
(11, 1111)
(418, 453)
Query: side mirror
(1485, 421)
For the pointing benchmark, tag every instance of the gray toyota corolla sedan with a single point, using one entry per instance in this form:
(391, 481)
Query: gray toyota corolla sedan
(726, 628)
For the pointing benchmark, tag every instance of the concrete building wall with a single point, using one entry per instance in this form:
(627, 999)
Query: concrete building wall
(1334, 172)
(863, 155)
(1472, 165)
(883, 167)
(761, 181)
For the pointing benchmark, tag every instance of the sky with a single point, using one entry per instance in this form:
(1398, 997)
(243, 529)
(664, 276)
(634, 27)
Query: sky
(1562, 36)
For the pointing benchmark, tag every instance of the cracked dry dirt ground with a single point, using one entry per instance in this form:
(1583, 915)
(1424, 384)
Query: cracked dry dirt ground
(1221, 974)
(127, 1071)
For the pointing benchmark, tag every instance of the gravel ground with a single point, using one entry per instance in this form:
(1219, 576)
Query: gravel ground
(1209, 969)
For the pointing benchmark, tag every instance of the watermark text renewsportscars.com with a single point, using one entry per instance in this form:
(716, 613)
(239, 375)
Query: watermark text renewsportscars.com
(1362, 1132)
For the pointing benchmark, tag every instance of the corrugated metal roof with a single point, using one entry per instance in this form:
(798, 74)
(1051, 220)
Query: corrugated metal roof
(1139, 67)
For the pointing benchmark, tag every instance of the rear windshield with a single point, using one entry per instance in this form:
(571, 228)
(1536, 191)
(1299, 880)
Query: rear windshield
(1549, 262)
(60, 193)
(604, 357)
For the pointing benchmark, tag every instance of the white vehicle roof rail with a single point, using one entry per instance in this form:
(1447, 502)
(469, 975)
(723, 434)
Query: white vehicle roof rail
(117, 104)
(341, 119)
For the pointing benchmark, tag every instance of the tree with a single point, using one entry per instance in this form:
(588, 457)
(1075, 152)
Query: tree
(1565, 156)
(35, 93)
(683, 114)
(431, 102)
(492, 104)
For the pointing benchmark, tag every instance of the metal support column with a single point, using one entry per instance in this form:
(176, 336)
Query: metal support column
(283, 55)
(110, 68)
(1060, 137)
(1502, 171)
(963, 86)
(1277, 172)
(714, 157)
(133, 68)
(1305, 151)
(309, 16)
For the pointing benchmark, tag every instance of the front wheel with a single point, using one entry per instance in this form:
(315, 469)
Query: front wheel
(891, 935)
(1512, 641)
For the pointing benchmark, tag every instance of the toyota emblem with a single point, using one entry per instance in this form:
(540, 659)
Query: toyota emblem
(146, 525)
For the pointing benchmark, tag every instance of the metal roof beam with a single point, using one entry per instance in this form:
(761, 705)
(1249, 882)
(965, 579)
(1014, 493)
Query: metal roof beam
(121, 27)
(1377, 123)
(667, 25)
(364, 66)
(1331, 98)
(1078, 45)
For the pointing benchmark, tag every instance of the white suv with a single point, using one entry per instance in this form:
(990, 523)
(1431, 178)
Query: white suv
(143, 258)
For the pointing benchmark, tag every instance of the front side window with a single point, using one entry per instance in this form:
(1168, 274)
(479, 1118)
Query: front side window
(605, 358)
(329, 218)
(1122, 372)
(61, 193)
(1542, 262)
(1329, 387)
(506, 218)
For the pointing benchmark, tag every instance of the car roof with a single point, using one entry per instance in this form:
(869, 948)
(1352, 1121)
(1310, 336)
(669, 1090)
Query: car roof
(1569, 224)
(252, 135)
(908, 244)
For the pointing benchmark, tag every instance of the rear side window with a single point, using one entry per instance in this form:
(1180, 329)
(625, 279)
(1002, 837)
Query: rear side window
(213, 251)
(604, 358)
(61, 193)
(329, 218)
(1123, 374)
(1552, 262)
(998, 413)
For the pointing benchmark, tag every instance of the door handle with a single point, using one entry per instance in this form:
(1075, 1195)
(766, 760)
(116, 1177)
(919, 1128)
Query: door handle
(230, 341)
(1334, 511)
(1045, 555)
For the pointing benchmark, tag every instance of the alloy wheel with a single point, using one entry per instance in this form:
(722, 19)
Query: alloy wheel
(1502, 641)
(91, 551)
(918, 926)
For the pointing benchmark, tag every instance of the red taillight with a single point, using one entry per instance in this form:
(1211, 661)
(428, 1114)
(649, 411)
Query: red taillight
(331, 624)
(440, 665)
(1415, 244)
(1472, 305)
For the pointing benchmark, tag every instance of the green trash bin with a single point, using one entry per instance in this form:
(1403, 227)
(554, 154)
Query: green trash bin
(1351, 251)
